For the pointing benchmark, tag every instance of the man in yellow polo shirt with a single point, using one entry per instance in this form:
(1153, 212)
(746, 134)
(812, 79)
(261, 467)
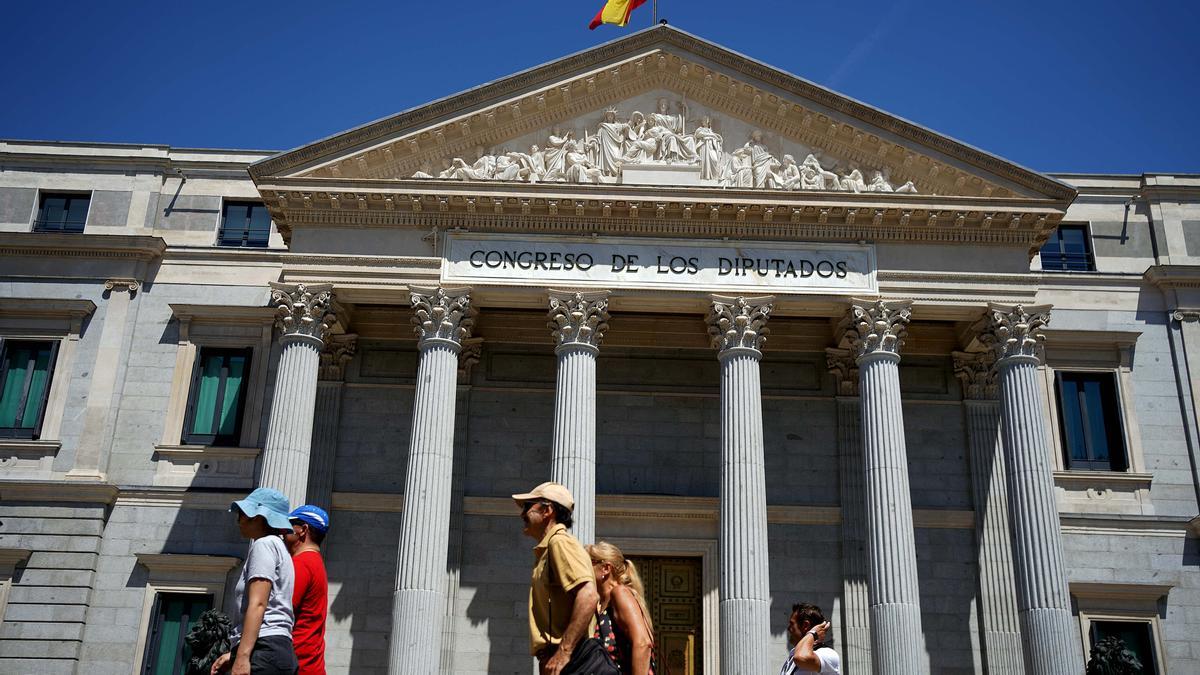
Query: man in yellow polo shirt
(562, 591)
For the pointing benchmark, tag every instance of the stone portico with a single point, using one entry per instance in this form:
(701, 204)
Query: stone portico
(834, 379)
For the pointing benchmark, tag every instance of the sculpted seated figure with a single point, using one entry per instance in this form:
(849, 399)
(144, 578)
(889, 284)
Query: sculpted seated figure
(674, 146)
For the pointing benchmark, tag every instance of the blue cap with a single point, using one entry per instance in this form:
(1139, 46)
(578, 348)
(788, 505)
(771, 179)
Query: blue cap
(313, 516)
(268, 503)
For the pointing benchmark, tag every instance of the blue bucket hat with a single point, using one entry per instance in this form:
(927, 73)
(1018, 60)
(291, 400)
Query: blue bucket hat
(313, 516)
(268, 503)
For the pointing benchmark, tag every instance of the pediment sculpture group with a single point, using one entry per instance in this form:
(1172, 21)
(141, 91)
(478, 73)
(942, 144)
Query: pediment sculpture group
(659, 138)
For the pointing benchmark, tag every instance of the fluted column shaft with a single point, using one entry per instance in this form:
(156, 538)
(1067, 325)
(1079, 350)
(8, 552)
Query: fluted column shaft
(876, 331)
(738, 327)
(1043, 601)
(418, 605)
(578, 322)
(327, 419)
(303, 316)
(998, 608)
(894, 591)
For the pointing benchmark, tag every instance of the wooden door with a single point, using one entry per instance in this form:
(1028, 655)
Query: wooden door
(673, 593)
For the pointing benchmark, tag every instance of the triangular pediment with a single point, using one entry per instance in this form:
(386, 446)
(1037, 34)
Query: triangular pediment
(759, 113)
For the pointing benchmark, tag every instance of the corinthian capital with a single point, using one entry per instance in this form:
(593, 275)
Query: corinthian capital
(303, 311)
(977, 372)
(578, 319)
(338, 351)
(879, 327)
(1015, 331)
(739, 323)
(841, 364)
(442, 315)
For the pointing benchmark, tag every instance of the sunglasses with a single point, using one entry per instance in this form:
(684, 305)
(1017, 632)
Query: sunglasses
(529, 505)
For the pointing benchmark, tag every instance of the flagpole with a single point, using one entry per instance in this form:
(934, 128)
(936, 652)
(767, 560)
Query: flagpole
(655, 23)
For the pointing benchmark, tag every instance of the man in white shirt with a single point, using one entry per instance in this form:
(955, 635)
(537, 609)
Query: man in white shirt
(806, 633)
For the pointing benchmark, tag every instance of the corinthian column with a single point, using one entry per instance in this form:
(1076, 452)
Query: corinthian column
(997, 606)
(577, 322)
(875, 332)
(442, 320)
(1043, 601)
(331, 380)
(738, 330)
(303, 316)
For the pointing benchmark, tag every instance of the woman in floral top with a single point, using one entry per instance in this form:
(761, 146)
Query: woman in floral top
(623, 622)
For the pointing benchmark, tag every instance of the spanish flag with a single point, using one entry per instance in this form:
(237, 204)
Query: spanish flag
(615, 12)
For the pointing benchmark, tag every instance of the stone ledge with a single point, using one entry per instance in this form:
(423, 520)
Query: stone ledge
(187, 563)
(204, 466)
(1120, 591)
(58, 491)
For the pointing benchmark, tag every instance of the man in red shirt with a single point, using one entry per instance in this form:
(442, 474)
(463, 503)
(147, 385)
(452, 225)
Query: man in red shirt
(310, 599)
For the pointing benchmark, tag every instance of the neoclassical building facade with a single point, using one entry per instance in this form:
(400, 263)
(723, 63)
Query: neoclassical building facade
(781, 345)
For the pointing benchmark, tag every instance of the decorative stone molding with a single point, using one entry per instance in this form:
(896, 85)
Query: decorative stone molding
(1185, 315)
(739, 323)
(442, 314)
(337, 353)
(842, 366)
(303, 311)
(875, 328)
(130, 286)
(203, 466)
(1015, 331)
(977, 373)
(172, 564)
(55, 491)
(468, 357)
(578, 319)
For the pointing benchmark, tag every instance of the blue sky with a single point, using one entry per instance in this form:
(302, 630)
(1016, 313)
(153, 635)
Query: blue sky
(1054, 85)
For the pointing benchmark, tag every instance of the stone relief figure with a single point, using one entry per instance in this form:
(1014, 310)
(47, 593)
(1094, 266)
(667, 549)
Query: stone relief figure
(660, 137)
(641, 147)
(668, 130)
(709, 150)
(879, 183)
(610, 141)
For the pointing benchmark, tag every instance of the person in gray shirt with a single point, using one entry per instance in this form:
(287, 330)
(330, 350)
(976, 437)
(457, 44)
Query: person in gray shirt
(261, 638)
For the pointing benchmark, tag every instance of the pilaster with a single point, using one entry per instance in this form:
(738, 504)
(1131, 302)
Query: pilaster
(303, 316)
(737, 328)
(442, 319)
(577, 323)
(96, 439)
(1014, 333)
(997, 606)
(856, 615)
(874, 332)
(327, 416)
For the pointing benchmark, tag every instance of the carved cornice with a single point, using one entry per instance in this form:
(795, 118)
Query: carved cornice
(442, 315)
(303, 311)
(58, 491)
(739, 324)
(525, 99)
(1014, 331)
(338, 351)
(1173, 276)
(873, 328)
(977, 373)
(578, 319)
(70, 312)
(49, 244)
(188, 564)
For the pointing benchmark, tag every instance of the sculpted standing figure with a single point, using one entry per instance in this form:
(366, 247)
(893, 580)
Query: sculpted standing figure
(667, 129)
(709, 149)
(610, 143)
(556, 154)
(762, 163)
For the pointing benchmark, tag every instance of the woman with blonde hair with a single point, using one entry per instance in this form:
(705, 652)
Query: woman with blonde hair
(623, 621)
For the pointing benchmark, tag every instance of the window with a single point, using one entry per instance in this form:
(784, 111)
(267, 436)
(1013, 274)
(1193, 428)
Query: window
(174, 614)
(25, 370)
(1138, 637)
(217, 397)
(61, 212)
(244, 224)
(1091, 421)
(1068, 250)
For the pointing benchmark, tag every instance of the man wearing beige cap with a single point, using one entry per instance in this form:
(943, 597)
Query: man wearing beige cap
(562, 592)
